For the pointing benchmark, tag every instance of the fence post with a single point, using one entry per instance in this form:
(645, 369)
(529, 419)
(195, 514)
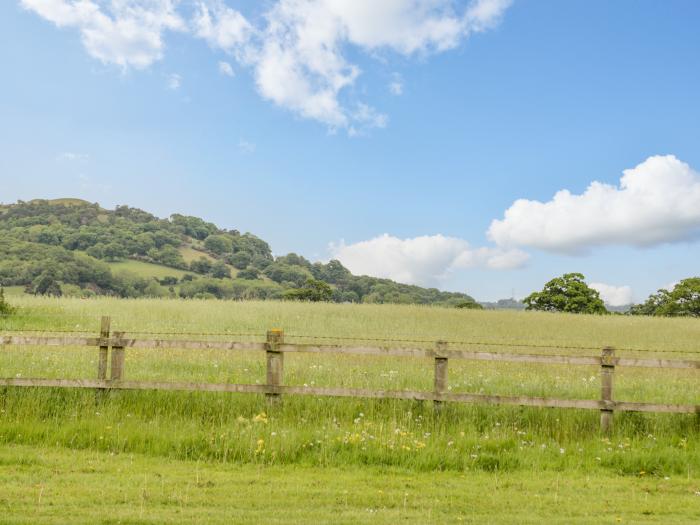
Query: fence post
(440, 384)
(104, 348)
(275, 361)
(607, 371)
(117, 371)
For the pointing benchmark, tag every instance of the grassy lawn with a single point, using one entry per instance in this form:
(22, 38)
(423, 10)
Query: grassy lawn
(55, 485)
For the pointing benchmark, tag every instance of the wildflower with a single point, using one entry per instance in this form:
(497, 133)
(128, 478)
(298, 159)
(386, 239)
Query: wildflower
(261, 447)
(260, 418)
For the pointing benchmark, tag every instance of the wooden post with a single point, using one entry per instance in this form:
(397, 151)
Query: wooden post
(104, 348)
(117, 370)
(607, 371)
(440, 384)
(275, 361)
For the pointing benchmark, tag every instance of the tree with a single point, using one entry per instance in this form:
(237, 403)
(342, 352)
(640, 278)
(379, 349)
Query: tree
(249, 273)
(114, 251)
(683, 300)
(239, 260)
(153, 289)
(568, 293)
(47, 284)
(220, 270)
(284, 273)
(469, 305)
(313, 290)
(218, 244)
(5, 307)
(201, 265)
(169, 256)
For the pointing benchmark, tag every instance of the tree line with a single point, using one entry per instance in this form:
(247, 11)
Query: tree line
(570, 293)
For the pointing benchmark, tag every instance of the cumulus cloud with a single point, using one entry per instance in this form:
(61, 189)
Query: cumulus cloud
(656, 202)
(614, 295)
(226, 69)
(298, 49)
(221, 26)
(425, 260)
(124, 33)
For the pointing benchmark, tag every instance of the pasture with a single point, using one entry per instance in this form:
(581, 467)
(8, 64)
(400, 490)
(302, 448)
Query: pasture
(646, 470)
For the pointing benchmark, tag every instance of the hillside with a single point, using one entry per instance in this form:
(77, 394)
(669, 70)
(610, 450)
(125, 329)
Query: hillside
(73, 247)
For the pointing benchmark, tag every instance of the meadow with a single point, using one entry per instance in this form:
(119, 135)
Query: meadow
(355, 458)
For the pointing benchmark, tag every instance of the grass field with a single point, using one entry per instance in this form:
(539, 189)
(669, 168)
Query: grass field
(540, 462)
(189, 254)
(144, 269)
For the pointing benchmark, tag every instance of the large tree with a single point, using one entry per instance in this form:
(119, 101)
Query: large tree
(568, 293)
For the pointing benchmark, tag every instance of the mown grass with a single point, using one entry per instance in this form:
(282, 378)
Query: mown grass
(54, 486)
(322, 433)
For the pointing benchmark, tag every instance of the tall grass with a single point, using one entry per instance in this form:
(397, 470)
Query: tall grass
(307, 430)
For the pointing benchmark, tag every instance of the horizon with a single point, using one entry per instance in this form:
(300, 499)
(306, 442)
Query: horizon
(483, 147)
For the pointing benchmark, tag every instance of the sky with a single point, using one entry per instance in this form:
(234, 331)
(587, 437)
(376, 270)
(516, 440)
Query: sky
(481, 146)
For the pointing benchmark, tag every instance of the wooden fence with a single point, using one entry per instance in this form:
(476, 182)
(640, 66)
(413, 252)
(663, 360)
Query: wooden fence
(275, 348)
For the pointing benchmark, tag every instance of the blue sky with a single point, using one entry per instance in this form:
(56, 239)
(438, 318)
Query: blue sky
(370, 135)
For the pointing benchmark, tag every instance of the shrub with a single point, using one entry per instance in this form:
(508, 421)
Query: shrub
(5, 307)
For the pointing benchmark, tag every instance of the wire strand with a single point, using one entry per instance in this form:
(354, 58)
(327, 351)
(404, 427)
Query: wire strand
(351, 338)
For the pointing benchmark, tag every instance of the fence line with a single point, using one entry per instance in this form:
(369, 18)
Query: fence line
(115, 344)
(503, 344)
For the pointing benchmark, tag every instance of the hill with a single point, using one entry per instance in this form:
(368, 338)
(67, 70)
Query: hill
(73, 247)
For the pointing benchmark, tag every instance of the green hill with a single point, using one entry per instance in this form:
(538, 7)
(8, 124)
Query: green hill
(73, 247)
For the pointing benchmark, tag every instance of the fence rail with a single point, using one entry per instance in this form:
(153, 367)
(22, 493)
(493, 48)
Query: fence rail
(115, 344)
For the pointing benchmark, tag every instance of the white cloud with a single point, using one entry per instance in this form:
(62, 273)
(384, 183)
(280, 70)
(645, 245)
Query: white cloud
(656, 202)
(396, 88)
(425, 260)
(120, 32)
(614, 295)
(73, 157)
(221, 26)
(174, 81)
(670, 286)
(301, 64)
(246, 146)
(226, 69)
(297, 48)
